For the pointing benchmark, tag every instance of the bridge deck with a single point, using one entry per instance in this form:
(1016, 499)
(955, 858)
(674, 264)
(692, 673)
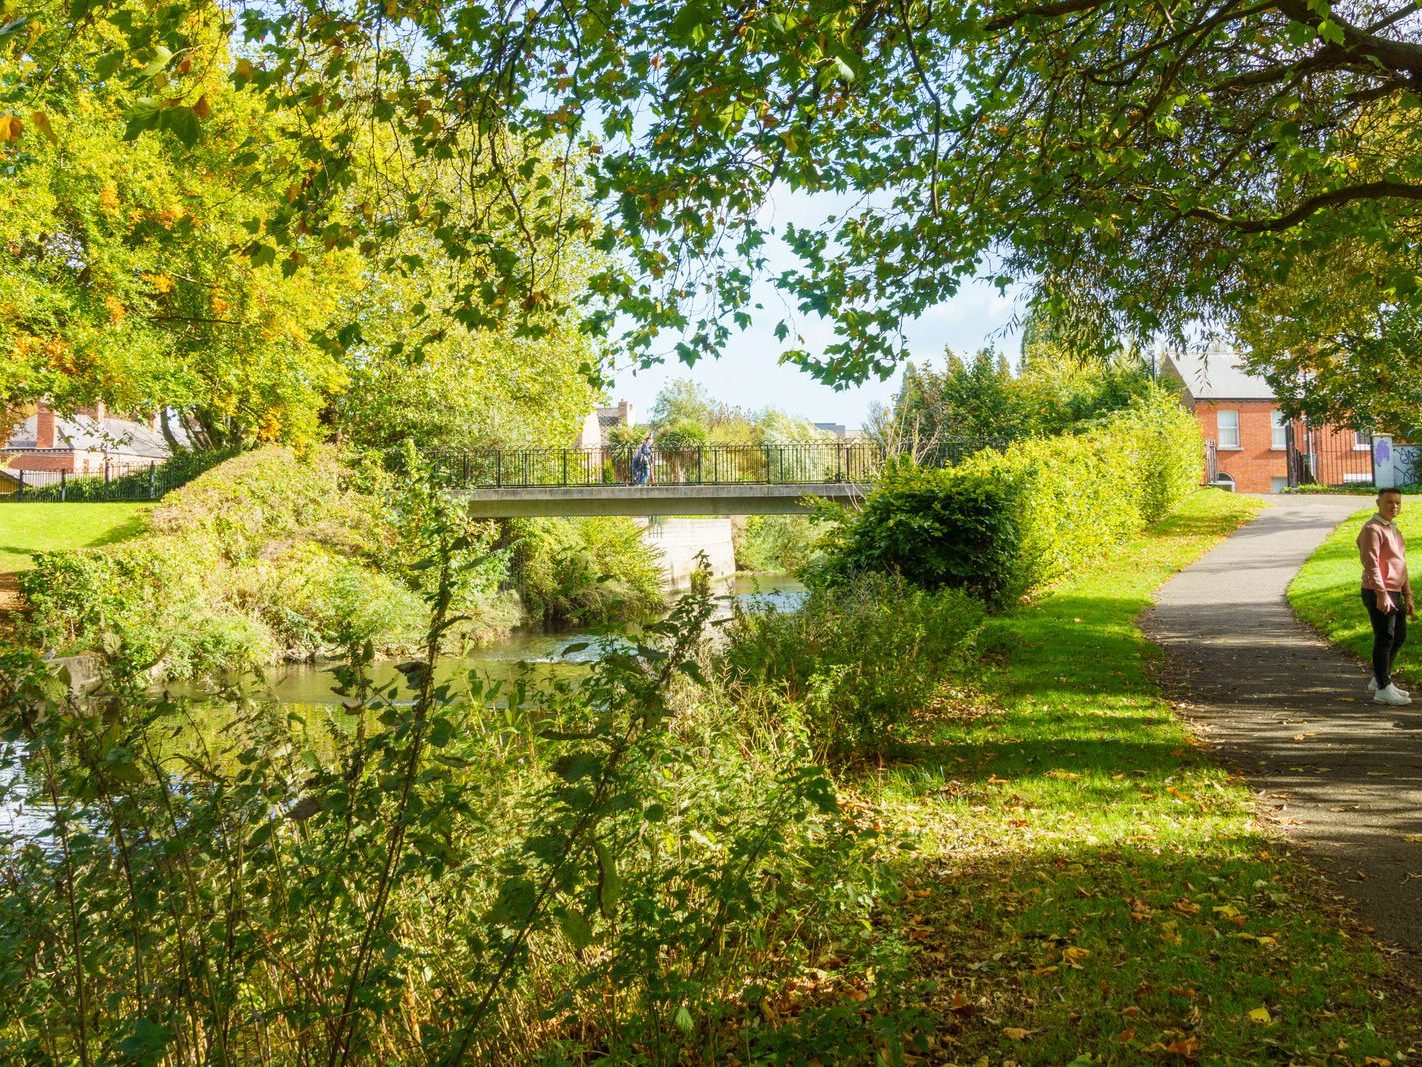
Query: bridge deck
(675, 499)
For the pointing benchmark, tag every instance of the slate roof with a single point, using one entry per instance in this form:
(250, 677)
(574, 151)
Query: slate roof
(84, 433)
(1216, 374)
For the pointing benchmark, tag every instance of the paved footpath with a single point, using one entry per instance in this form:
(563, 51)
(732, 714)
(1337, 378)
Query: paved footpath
(1340, 774)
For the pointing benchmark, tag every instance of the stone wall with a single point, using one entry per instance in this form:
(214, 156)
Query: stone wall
(679, 540)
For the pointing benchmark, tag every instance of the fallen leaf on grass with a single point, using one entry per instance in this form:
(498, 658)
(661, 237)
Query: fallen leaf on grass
(1261, 1015)
(1016, 1033)
(1126, 1035)
(962, 1006)
(1074, 956)
(1185, 907)
(1375, 1061)
(1189, 1047)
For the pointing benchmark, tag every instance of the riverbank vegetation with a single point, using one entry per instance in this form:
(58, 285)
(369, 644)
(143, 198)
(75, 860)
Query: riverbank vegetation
(274, 556)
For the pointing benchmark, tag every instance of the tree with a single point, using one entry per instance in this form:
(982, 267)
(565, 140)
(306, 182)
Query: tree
(124, 277)
(141, 270)
(1143, 160)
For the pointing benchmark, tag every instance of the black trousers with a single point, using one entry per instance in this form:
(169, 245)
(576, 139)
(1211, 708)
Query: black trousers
(1389, 631)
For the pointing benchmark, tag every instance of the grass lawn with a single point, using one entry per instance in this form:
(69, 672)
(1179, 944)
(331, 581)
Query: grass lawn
(1087, 886)
(1325, 592)
(29, 528)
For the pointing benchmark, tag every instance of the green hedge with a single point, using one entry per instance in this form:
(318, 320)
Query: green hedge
(1002, 524)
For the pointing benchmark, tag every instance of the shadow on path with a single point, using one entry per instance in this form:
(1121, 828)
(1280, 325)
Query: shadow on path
(1341, 775)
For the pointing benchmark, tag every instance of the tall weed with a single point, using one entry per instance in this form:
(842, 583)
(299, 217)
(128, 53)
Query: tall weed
(859, 659)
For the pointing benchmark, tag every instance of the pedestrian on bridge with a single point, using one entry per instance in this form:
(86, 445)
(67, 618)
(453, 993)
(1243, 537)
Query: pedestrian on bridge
(642, 462)
(1387, 594)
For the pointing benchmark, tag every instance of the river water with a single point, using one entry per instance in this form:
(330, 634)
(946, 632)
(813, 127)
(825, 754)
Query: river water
(303, 684)
(303, 693)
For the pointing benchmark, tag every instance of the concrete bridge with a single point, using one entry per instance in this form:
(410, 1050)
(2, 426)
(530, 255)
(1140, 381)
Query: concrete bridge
(691, 480)
(690, 499)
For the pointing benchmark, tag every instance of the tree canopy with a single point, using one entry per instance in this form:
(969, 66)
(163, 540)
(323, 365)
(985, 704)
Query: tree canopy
(1148, 167)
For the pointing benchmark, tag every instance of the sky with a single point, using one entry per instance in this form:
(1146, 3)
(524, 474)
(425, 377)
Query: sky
(748, 375)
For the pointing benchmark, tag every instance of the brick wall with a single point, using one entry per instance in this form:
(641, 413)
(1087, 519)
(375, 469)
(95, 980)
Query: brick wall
(1257, 466)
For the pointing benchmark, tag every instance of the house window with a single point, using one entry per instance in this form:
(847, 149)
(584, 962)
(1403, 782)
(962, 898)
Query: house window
(1228, 422)
(1362, 441)
(1278, 431)
(1278, 485)
(1224, 481)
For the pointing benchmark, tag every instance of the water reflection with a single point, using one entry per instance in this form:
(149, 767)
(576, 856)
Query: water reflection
(544, 653)
(301, 697)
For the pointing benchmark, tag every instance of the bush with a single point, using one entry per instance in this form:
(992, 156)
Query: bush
(584, 571)
(782, 543)
(1002, 524)
(267, 557)
(858, 659)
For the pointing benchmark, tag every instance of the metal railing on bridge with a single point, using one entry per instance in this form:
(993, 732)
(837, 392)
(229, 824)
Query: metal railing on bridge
(790, 464)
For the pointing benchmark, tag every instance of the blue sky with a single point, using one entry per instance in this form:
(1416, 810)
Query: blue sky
(749, 376)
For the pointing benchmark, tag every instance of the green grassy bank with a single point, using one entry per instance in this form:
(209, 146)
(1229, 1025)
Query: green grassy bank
(1088, 886)
(1324, 594)
(29, 528)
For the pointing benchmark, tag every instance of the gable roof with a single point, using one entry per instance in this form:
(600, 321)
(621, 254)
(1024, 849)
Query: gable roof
(84, 433)
(1216, 374)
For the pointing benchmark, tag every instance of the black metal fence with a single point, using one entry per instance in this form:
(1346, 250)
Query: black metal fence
(117, 483)
(1329, 455)
(792, 464)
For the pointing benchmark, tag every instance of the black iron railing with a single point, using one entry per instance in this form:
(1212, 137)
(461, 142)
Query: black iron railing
(793, 464)
(115, 483)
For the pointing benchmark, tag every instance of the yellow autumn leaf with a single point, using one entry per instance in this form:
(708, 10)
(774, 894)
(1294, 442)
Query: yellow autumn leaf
(41, 123)
(10, 128)
(1016, 1033)
(1260, 1015)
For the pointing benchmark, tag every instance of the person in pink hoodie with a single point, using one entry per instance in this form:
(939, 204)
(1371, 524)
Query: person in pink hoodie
(1387, 593)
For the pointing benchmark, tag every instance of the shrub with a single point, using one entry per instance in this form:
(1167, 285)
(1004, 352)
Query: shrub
(1002, 524)
(1006, 522)
(584, 571)
(784, 543)
(264, 558)
(858, 659)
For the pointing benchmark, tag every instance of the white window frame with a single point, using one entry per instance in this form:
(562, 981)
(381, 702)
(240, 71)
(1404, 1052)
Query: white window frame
(1226, 445)
(1278, 431)
(1361, 442)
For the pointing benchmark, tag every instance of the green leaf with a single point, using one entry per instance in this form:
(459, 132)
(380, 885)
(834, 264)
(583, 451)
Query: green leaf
(575, 928)
(162, 56)
(609, 884)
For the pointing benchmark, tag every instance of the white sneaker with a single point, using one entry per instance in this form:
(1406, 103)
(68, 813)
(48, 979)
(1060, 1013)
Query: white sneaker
(1390, 694)
(1373, 687)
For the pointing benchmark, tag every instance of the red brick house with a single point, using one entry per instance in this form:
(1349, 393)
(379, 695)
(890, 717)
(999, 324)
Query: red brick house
(91, 442)
(1252, 443)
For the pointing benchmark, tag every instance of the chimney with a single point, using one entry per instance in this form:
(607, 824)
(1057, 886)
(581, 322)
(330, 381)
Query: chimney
(44, 427)
(625, 413)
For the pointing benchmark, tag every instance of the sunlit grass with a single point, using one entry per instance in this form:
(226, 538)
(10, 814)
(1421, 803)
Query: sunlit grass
(29, 528)
(1087, 882)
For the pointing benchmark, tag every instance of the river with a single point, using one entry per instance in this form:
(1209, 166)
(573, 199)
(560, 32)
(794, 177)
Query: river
(303, 694)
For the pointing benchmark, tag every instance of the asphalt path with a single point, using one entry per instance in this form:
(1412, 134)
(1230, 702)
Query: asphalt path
(1340, 775)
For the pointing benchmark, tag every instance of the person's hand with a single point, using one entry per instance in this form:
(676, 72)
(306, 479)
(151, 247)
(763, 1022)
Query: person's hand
(1384, 601)
(1411, 607)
